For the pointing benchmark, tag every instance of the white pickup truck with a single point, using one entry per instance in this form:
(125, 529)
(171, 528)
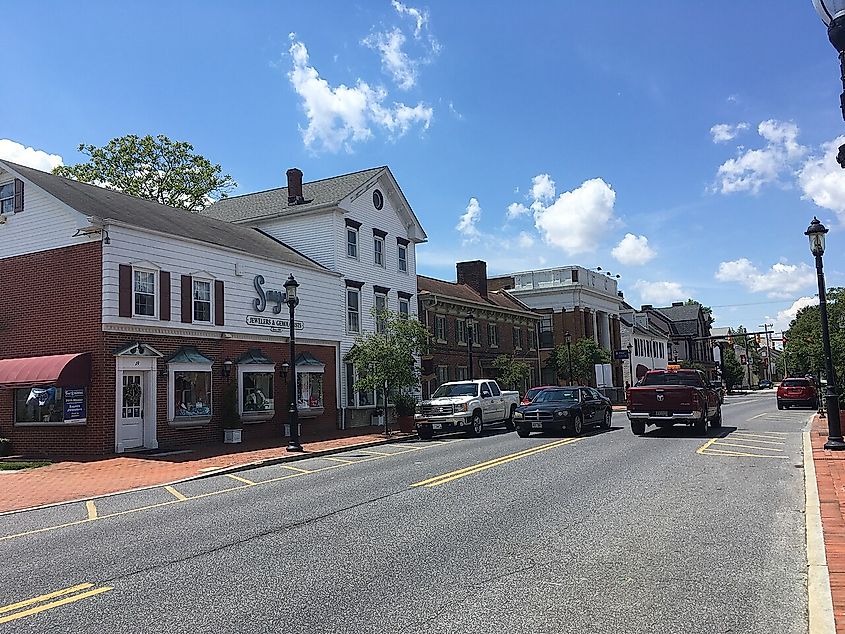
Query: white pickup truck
(465, 405)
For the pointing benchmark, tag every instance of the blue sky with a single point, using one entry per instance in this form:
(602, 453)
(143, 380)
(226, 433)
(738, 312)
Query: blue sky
(528, 135)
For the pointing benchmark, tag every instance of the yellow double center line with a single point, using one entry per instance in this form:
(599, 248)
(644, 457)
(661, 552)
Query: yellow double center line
(77, 593)
(495, 462)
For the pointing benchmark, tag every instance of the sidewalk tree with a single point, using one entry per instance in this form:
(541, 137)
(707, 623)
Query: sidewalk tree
(804, 350)
(384, 360)
(734, 372)
(586, 354)
(512, 372)
(155, 168)
(708, 312)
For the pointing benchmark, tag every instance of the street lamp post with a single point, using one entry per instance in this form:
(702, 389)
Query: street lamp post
(568, 339)
(816, 233)
(293, 413)
(631, 363)
(470, 324)
(832, 13)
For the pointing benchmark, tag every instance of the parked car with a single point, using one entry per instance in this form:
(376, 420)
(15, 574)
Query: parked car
(531, 394)
(558, 409)
(765, 385)
(465, 405)
(666, 397)
(798, 391)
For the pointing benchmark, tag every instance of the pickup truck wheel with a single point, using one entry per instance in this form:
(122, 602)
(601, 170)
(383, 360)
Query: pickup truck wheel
(577, 426)
(509, 420)
(716, 423)
(477, 425)
(701, 423)
(607, 418)
(425, 432)
(638, 427)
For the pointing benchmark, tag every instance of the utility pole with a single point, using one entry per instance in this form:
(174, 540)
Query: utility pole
(765, 328)
(747, 360)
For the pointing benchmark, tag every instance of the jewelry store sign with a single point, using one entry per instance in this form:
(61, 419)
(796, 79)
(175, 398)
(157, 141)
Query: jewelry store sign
(273, 323)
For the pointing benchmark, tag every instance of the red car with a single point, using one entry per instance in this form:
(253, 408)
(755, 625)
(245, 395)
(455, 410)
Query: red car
(531, 394)
(798, 391)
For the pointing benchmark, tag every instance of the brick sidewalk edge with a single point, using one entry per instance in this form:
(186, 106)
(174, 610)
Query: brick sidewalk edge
(224, 470)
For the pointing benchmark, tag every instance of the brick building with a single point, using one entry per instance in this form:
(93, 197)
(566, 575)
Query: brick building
(503, 326)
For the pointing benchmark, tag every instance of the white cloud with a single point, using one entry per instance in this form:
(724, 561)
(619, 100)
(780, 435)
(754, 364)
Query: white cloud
(420, 17)
(633, 250)
(784, 317)
(577, 217)
(781, 280)
(343, 115)
(394, 60)
(660, 292)
(822, 179)
(723, 132)
(525, 240)
(542, 188)
(515, 210)
(752, 169)
(468, 224)
(23, 155)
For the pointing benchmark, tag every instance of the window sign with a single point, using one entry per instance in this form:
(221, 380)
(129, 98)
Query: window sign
(75, 410)
(50, 405)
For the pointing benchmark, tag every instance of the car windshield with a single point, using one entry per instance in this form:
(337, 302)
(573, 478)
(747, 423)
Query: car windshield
(555, 396)
(456, 389)
(795, 383)
(534, 391)
(672, 378)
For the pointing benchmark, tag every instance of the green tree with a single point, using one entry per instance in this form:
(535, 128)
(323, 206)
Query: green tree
(733, 371)
(804, 350)
(586, 354)
(154, 168)
(384, 360)
(708, 312)
(512, 372)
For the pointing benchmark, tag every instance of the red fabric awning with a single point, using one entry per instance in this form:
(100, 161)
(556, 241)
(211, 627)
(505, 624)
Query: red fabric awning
(62, 370)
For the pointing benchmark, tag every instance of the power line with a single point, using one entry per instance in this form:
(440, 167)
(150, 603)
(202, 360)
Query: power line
(780, 301)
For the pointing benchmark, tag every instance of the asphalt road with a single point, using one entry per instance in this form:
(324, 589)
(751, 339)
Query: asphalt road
(668, 532)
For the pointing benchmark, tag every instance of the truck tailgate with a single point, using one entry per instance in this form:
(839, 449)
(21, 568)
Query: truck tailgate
(664, 398)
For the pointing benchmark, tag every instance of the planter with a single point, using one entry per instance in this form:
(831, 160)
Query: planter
(406, 424)
(232, 436)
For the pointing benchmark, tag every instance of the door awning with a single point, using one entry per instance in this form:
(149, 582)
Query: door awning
(62, 370)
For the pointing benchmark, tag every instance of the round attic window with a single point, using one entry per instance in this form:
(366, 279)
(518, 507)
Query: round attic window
(378, 199)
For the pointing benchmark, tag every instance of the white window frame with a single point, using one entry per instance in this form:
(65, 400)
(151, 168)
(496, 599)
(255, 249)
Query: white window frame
(194, 300)
(187, 421)
(357, 242)
(349, 311)
(402, 258)
(381, 323)
(11, 198)
(155, 293)
(378, 242)
(255, 368)
(404, 307)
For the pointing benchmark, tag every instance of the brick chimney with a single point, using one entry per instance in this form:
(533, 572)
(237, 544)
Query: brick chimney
(646, 307)
(474, 275)
(295, 186)
(676, 304)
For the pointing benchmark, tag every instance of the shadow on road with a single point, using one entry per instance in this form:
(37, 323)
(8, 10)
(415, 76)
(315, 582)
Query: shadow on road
(684, 431)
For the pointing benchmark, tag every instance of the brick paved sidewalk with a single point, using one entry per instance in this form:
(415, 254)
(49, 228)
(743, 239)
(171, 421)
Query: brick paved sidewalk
(84, 478)
(830, 476)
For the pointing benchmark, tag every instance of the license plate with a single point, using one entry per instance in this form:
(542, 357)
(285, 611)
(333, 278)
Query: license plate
(436, 426)
(536, 425)
(661, 413)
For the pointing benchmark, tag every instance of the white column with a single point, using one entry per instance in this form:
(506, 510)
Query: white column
(605, 331)
(594, 317)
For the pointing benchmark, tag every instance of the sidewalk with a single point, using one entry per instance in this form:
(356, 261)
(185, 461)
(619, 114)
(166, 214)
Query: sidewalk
(830, 476)
(83, 478)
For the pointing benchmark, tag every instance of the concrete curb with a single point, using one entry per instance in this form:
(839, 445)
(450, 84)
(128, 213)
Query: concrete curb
(222, 471)
(819, 600)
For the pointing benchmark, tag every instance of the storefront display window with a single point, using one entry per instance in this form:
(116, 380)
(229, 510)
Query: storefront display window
(50, 405)
(192, 394)
(309, 390)
(257, 393)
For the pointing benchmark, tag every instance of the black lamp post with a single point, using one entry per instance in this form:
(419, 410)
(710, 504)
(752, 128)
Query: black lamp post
(816, 233)
(470, 320)
(293, 414)
(568, 338)
(832, 13)
(631, 361)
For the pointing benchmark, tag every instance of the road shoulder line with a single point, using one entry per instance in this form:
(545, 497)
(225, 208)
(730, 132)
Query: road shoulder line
(819, 600)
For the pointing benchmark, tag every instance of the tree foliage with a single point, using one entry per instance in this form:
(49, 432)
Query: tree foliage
(385, 360)
(708, 312)
(804, 350)
(586, 354)
(733, 371)
(154, 168)
(512, 372)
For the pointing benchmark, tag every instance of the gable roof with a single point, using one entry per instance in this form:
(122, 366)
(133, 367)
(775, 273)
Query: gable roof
(109, 205)
(463, 292)
(687, 312)
(320, 193)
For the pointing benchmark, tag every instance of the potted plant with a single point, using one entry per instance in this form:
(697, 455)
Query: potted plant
(229, 416)
(405, 405)
(5, 447)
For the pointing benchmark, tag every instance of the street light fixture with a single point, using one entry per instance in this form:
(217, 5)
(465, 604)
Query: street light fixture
(292, 301)
(568, 338)
(470, 321)
(832, 13)
(631, 363)
(816, 234)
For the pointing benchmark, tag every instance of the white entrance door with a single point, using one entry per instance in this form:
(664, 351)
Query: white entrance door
(131, 414)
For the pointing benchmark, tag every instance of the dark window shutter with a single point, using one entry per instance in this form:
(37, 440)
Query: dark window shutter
(124, 292)
(187, 300)
(18, 195)
(164, 295)
(219, 306)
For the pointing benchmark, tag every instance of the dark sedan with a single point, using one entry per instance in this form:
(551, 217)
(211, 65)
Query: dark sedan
(561, 409)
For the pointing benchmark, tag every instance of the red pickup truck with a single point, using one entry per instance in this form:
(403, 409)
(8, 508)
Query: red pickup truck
(666, 397)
